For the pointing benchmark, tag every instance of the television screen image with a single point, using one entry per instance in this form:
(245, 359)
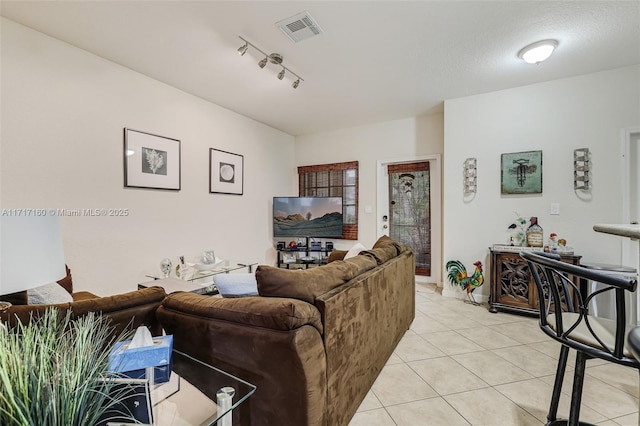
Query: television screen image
(307, 217)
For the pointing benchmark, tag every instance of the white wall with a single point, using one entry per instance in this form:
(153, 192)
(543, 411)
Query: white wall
(416, 136)
(556, 117)
(63, 114)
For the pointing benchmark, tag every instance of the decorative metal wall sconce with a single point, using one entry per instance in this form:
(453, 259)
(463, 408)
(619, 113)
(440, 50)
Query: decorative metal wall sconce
(470, 176)
(581, 169)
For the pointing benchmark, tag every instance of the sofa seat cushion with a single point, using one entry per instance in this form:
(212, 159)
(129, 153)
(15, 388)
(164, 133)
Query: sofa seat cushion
(307, 284)
(272, 313)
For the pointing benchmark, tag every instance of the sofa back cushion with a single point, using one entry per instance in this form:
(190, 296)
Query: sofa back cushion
(384, 250)
(382, 254)
(126, 311)
(386, 241)
(272, 313)
(307, 284)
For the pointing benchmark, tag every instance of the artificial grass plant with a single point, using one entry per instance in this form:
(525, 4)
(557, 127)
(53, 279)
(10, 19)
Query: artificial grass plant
(53, 371)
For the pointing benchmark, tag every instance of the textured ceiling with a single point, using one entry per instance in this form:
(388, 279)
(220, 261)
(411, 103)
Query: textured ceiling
(375, 61)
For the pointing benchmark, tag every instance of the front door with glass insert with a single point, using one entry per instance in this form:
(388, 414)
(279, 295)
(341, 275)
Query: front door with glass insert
(409, 210)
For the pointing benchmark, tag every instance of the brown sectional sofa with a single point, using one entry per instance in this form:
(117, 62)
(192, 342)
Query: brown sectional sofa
(126, 311)
(313, 342)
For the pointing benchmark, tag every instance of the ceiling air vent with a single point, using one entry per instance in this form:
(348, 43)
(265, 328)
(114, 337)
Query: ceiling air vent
(299, 27)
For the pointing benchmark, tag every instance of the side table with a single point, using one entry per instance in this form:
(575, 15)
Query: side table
(172, 284)
(196, 394)
(511, 285)
(196, 402)
(200, 282)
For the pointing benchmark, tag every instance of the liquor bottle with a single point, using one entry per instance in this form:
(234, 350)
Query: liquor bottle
(534, 234)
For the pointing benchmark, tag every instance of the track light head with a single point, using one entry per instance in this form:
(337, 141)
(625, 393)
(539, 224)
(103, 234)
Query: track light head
(243, 49)
(296, 84)
(281, 74)
(262, 63)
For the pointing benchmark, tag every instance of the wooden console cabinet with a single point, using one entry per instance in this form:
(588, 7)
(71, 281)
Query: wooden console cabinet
(512, 286)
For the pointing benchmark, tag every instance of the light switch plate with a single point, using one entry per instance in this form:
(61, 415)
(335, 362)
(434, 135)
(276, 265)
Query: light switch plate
(554, 209)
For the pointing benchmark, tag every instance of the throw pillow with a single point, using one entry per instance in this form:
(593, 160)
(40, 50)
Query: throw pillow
(336, 255)
(49, 294)
(236, 285)
(354, 251)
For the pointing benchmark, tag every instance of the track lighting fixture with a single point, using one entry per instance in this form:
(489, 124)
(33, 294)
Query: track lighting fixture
(274, 58)
(243, 49)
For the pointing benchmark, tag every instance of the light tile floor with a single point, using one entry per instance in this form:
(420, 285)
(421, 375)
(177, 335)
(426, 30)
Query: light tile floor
(459, 364)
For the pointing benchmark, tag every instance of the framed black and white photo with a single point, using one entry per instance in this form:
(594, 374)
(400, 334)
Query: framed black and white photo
(151, 161)
(226, 172)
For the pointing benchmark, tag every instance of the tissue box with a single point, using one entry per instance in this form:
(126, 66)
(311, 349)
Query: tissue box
(132, 362)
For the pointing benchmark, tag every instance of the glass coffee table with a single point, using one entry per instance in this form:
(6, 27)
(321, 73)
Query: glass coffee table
(197, 394)
(200, 282)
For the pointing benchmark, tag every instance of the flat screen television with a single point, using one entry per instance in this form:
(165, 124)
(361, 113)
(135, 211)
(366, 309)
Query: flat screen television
(318, 217)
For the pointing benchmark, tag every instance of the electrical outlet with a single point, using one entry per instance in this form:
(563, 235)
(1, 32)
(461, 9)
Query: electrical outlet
(554, 209)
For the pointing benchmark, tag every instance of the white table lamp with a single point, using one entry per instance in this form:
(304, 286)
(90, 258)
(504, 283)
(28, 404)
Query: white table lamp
(31, 253)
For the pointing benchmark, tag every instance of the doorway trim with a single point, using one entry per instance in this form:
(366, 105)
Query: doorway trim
(629, 248)
(382, 208)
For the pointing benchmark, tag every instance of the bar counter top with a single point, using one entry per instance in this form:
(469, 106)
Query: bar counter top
(623, 230)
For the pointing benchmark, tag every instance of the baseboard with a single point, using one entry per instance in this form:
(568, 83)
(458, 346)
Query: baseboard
(424, 280)
(448, 291)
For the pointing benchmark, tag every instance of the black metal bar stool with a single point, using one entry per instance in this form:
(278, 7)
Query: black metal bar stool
(564, 316)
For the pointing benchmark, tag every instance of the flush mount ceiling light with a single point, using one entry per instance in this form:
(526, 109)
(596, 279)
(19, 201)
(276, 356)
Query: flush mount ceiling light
(274, 58)
(538, 51)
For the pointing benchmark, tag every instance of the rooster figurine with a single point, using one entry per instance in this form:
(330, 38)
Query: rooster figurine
(458, 276)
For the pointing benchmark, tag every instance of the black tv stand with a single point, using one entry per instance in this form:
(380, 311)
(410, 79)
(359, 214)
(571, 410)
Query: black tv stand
(302, 257)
